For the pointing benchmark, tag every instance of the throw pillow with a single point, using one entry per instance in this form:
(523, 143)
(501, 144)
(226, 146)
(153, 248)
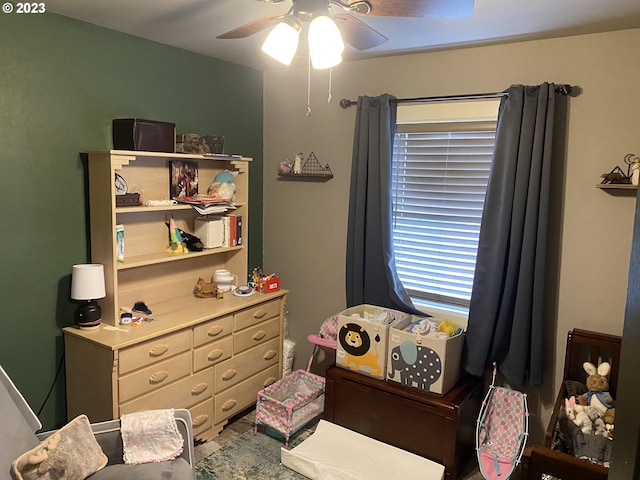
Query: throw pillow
(70, 453)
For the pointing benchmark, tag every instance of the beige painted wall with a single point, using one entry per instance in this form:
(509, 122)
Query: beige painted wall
(305, 223)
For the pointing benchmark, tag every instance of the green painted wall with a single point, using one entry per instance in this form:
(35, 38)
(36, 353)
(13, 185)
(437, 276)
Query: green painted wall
(61, 84)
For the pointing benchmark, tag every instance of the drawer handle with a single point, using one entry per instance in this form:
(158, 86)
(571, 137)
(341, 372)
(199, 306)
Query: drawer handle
(259, 335)
(269, 381)
(228, 405)
(215, 330)
(259, 313)
(158, 350)
(158, 377)
(199, 388)
(199, 420)
(215, 354)
(270, 354)
(229, 374)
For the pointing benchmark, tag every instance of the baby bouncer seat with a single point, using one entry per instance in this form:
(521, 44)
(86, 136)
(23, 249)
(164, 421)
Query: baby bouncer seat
(501, 431)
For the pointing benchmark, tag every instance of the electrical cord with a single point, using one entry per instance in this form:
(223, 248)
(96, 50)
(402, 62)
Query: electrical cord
(55, 379)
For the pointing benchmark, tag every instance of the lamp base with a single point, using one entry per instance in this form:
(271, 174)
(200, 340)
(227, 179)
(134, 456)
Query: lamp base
(92, 327)
(88, 315)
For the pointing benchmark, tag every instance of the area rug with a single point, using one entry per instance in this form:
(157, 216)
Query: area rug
(250, 457)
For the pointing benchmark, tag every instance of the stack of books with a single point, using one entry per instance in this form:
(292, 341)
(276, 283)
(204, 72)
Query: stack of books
(206, 204)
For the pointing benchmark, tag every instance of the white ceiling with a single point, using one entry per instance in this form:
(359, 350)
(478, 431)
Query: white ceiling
(194, 24)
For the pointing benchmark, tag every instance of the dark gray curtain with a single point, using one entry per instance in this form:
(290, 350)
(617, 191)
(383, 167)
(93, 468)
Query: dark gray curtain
(506, 310)
(370, 268)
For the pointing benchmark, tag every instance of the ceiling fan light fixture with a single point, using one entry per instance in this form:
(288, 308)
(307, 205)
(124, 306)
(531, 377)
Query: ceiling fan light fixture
(282, 42)
(325, 42)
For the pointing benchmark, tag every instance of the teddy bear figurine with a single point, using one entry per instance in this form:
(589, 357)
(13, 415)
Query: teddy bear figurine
(598, 390)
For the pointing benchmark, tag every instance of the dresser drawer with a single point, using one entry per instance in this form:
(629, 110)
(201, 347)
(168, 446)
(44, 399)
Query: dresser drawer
(212, 353)
(212, 330)
(256, 335)
(153, 350)
(244, 394)
(202, 417)
(154, 376)
(181, 394)
(232, 371)
(256, 314)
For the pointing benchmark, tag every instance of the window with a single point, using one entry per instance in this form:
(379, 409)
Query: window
(439, 180)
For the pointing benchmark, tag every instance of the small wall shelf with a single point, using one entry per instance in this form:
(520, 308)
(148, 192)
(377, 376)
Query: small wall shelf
(307, 176)
(620, 189)
(617, 186)
(311, 170)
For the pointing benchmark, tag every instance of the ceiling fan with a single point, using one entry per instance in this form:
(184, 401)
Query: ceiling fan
(354, 31)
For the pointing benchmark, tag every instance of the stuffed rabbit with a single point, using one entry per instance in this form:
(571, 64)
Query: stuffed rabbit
(578, 416)
(598, 386)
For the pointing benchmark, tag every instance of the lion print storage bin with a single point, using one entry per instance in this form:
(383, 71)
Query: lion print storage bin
(362, 338)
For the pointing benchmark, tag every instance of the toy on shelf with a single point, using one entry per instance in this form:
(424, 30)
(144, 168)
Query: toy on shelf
(263, 283)
(176, 242)
(204, 289)
(223, 188)
(193, 243)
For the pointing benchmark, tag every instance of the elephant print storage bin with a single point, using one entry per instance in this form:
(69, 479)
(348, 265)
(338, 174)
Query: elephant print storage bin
(428, 363)
(363, 333)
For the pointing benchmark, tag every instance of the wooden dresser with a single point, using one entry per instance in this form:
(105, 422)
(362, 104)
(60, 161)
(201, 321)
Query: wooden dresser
(440, 428)
(214, 366)
(209, 355)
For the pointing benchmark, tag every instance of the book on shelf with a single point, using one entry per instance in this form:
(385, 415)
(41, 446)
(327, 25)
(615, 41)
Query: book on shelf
(232, 230)
(206, 204)
(201, 199)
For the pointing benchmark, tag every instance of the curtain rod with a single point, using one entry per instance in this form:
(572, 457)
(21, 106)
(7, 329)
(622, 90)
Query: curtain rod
(561, 89)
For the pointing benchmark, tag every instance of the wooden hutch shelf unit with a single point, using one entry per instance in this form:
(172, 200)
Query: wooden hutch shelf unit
(205, 354)
(438, 427)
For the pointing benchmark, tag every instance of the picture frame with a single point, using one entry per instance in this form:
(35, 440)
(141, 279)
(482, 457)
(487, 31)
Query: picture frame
(183, 178)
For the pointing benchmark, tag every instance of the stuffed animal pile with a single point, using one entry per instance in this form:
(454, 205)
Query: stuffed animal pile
(594, 410)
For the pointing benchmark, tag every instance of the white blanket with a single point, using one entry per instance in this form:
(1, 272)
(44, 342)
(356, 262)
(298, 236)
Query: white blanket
(150, 436)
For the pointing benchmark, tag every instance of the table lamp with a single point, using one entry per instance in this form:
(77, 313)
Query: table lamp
(87, 286)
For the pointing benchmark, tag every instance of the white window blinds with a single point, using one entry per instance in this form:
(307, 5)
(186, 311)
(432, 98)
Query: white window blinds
(439, 180)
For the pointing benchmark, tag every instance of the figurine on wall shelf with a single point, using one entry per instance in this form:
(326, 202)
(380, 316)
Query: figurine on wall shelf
(297, 164)
(615, 176)
(633, 171)
(285, 166)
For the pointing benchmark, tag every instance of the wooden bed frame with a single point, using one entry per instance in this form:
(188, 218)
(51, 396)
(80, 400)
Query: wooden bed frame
(582, 346)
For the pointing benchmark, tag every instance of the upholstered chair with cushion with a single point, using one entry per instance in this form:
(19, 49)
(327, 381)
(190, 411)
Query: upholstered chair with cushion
(99, 460)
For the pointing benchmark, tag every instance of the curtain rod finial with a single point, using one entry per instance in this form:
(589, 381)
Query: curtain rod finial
(568, 90)
(345, 103)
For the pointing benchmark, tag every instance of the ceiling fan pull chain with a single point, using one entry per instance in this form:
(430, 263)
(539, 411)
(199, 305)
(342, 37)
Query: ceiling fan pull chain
(308, 114)
(330, 77)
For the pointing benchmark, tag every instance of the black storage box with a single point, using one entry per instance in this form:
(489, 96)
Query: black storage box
(144, 135)
(128, 200)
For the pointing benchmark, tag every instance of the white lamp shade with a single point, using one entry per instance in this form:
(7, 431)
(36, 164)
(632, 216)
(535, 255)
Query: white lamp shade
(325, 43)
(87, 282)
(282, 42)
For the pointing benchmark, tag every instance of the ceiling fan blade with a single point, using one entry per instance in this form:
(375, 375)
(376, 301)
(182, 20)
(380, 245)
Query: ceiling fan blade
(420, 8)
(357, 33)
(252, 27)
